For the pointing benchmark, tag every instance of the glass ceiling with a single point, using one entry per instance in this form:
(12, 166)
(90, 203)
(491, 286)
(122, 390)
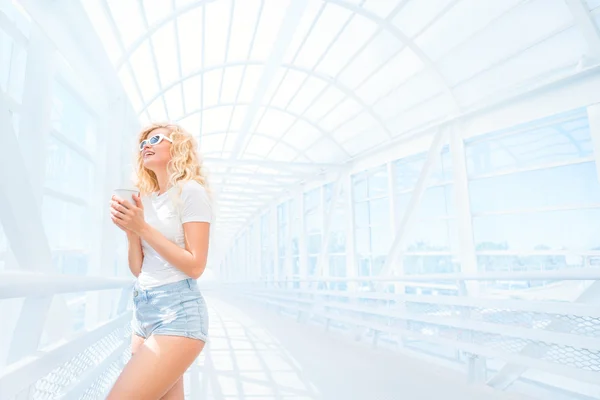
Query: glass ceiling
(276, 89)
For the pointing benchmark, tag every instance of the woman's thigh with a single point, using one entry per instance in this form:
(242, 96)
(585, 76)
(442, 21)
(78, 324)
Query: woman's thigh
(158, 363)
(136, 343)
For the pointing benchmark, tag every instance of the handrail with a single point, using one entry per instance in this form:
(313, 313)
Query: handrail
(553, 307)
(18, 376)
(575, 274)
(17, 284)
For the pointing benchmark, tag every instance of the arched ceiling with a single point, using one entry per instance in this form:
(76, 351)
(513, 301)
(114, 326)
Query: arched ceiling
(278, 89)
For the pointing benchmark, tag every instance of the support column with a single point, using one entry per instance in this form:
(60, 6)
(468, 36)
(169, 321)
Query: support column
(303, 251)
(351, 268)
(593, 112)
(433, 157)
(327, 215)
(462, 204)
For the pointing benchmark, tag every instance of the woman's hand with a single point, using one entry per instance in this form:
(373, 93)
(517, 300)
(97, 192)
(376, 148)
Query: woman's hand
(129, 217)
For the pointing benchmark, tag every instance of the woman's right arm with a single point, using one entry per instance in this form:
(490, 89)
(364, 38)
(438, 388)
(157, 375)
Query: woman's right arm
(135, 254)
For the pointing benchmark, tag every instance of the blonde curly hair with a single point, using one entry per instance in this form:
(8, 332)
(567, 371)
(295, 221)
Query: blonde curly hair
(185, 164)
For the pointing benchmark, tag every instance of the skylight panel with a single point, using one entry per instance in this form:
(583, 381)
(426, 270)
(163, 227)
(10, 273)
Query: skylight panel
(157, 110)
(232, 79)
(275, 123)
(349, 108)
(416, 15)
(165, 50)
(259, 145)
(144, 71)
(191, 124)
(357, 33)
(245, 16)
(216, 119)
(393, 73)
(307, 94)
(302, 135)
(212, 85)
(128, 20)
(327, 27)
(97, 15)
(380, 50)
(326, 151)
(237, 118)
(251, 79)
(308, 18)
(460, 23)
(129, 86)
(330, 98)
(192, 88)
(282, 152)
(381, 8)
(217, 27)
(174, 102)
(268, 28)
(290, 85)
(212, 142)
(157, 10)
(190, 40)
(364, 141)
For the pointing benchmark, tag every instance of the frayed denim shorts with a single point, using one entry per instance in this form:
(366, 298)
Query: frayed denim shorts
(175, 309)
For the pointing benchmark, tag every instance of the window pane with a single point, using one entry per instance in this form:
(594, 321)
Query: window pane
(381, 240)
(559, 230)
(363, 241)
(432, 235)
(337, 266)
(67, 171)
(378, 183)
(571, 185)
(497, 263)
(314, 244)
(379, 212)
(558, 139)
(361, 212)
(71, 119)
(359, 185)
(429, 264)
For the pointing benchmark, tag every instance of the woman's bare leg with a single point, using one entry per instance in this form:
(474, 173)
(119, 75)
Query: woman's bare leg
(158, 364)
(136, 342)
(176, 392)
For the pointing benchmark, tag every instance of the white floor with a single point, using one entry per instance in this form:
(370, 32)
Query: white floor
(256, 354)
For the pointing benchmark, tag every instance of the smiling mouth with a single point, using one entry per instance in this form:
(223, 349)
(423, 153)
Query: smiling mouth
(148, 154)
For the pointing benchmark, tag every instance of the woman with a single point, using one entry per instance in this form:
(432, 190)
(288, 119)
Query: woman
(167, 228)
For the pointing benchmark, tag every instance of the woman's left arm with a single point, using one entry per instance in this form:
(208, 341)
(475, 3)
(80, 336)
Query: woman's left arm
(196, 213)
(191, 259)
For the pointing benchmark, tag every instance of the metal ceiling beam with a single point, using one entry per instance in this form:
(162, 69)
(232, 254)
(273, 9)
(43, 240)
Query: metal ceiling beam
(286, 32)
(271, 164)
(584, 21)
(314, 74)
(282, 110)
(390, 27)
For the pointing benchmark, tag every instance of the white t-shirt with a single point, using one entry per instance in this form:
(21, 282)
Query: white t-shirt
(167, 213)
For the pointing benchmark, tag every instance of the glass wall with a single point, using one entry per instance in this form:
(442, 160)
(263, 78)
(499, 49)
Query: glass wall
(535, 196)
(69, 179)
(282, 237)
(266, 256)
(337, 232)
(14, 34)
(373, 229)
(313, 218)
(534, 200)
(431, 245)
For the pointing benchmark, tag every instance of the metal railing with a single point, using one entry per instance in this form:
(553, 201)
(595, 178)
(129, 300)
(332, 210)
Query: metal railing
(82, 366)
(499, 336)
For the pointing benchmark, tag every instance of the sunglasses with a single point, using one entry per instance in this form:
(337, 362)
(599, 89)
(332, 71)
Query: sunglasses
(153, 140)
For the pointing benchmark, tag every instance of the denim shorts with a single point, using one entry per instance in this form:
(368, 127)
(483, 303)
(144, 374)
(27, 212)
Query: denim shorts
(174, 309)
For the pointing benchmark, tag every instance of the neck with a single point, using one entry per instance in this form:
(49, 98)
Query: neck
(163, 180)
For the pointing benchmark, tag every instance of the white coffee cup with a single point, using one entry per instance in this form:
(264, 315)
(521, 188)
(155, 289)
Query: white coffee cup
(126, 194)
